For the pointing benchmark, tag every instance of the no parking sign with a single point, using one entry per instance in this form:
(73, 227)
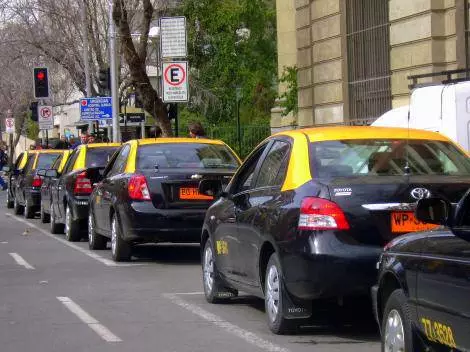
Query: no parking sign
(175, 82)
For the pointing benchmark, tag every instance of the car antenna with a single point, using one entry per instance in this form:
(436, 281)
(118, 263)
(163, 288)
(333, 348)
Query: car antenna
(407, 169)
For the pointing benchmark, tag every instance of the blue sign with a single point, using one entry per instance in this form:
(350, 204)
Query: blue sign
(99, 108)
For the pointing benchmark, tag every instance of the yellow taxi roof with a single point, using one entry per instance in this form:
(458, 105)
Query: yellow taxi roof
(98, 145)
(46, 151)
(320, 134)
(178, 140)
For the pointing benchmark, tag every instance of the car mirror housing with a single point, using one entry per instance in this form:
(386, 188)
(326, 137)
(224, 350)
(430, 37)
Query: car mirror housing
(211, 188)
(52, 173)
(41, 172)
(434, 211)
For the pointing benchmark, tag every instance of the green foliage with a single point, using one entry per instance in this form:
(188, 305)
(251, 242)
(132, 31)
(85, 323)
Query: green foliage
(289, 99)
(222, 60)
(32, 128)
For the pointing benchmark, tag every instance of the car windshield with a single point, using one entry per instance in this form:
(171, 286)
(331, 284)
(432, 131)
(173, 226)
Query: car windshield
(387, 157)
(186, 155)
(99, 157)
(45, 161)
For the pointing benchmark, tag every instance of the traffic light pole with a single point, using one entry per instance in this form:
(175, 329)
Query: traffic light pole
(85, 55)
(114, 74)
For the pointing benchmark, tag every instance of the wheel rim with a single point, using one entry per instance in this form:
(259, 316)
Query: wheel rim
(90, 230)
(113, 236)
(272, 293)
(67, 221)
(208, 269)
(394, 338)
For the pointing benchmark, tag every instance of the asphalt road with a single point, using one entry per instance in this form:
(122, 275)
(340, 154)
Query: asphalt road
(57, 296)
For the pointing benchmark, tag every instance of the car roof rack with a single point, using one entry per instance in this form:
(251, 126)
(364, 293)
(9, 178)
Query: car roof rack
(448, 74)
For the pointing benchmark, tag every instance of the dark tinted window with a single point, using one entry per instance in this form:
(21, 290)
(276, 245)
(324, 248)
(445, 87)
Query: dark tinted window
(244, 179)
(273, 169)
(185, 155)
(387, 157)
(57, 162)
(99, 157)
(29, 164)
(45, 161)
(120, 162)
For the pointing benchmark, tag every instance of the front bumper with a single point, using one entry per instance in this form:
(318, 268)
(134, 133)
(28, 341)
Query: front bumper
(143, 223)
(322, 266)
(373, 292)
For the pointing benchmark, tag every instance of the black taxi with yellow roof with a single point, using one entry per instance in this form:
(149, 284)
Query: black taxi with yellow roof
(149, 192)
(307, 214)
(71, 187)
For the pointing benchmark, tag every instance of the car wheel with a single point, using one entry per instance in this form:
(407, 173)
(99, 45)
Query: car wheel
(10, 203)
(56, 228)
(18, 209)
(214, 289)
(397, 333)
(95, 241)
(72, 230)
(273, 303)
(45, 218)
(28, 210)
(120, 249)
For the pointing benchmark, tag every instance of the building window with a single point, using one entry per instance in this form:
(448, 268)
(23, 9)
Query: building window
(368, 45)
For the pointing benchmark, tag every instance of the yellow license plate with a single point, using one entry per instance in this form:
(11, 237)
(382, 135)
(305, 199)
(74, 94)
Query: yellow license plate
(192, 193)
(407, 222)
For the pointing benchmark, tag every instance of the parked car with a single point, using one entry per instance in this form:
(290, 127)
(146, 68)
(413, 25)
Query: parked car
(422, 296)
(46, 195)
(307, 214)
(28, 183)
(12, 175)
(71, 189)
(149, 192)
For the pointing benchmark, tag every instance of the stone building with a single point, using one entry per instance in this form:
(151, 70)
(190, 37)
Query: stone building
(354, 56)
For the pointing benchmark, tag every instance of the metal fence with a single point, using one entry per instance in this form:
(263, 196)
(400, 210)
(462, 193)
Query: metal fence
(368, 45)
(250, 136)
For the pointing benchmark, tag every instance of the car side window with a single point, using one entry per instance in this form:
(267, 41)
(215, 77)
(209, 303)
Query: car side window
(57, 162)
(69, 165)
(244, 181)
(120, 162)
(272, 171)
(29, 164)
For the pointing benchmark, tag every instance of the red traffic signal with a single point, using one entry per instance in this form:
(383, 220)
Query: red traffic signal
(41, 83)
(41, 75)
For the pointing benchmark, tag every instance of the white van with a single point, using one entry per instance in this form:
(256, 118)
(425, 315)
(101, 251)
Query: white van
(440, 108)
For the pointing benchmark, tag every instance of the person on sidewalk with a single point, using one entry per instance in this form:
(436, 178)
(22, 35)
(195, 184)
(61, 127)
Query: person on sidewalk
(196, 130)
(3, 162)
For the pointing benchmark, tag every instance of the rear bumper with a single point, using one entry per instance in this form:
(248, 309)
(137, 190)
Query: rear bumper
(322, 266)
(80, 208)
(33, 197)
(143, 223)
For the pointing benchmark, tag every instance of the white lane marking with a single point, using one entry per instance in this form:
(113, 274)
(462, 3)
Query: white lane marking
(188, 293)
(243, 334)
(92, 323)
(20, 261)
(105, 261)
(4, 242)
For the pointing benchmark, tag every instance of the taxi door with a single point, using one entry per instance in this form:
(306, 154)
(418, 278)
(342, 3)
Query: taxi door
(444, 291)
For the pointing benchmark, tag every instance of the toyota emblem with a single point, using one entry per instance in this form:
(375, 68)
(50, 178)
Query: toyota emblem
(420, 193)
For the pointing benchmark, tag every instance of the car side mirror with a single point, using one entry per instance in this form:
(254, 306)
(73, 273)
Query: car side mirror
(211, 188)
(41, 172)
(434, 211)
(52, 173)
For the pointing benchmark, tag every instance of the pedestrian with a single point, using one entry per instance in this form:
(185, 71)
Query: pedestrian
(3, 162)
(196, 130)
(62, 144)
(91, 139)
(155, 132)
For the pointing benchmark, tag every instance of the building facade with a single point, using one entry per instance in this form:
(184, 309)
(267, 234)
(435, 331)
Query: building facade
(354, 56)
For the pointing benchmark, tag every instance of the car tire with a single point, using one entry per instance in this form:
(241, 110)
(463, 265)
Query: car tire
(28, 210)
(45, 217)
(72, 229)
(10, 203)
(396, 324)
(95, 240)
(273, 299)
(214, 289)
(120, 249)
(18, 209)
(56, 228)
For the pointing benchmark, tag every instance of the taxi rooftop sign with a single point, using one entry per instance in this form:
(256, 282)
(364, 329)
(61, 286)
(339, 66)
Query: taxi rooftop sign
(98, 108)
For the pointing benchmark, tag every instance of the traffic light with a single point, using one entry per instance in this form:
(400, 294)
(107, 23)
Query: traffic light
(104, 78)
(34, 110)
(41, 82)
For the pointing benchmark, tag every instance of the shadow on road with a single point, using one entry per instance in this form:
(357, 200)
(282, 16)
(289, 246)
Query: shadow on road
(173, 254)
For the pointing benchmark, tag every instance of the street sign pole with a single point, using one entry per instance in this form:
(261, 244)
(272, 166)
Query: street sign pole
(114, 74)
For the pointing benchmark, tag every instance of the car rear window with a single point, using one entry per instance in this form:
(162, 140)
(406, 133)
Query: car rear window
(186, 155)
(99, 157)
(45, 161)
(386, 158)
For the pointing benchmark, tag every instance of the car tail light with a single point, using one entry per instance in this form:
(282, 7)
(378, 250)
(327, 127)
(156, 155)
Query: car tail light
(138, 188)
(321, 214)
(37, 181)
(82, 184)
